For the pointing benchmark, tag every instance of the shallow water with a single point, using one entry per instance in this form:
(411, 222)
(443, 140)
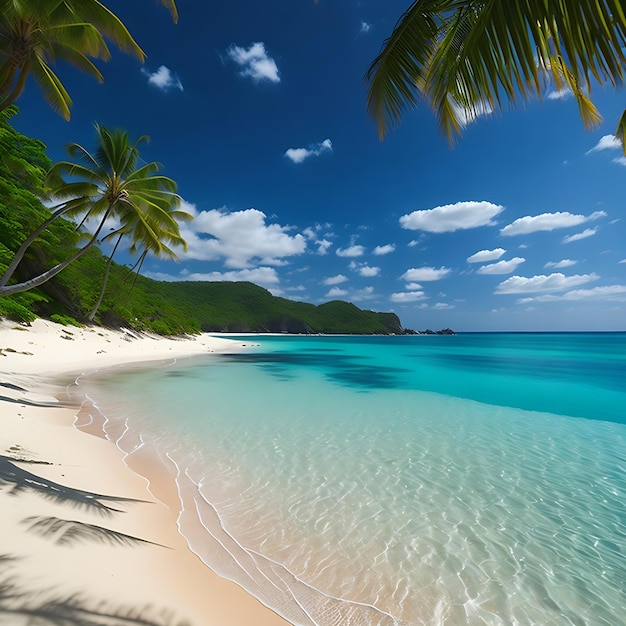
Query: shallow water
(471, 479)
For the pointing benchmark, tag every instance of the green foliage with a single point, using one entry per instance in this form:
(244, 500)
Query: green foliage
(14, 310)
(130, 300)
(65, 320)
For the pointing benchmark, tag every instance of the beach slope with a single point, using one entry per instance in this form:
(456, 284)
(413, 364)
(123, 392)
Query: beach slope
(82, 537)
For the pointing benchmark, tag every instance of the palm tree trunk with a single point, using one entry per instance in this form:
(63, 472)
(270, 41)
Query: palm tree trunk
(19, 255)
(104, 280)
(13, 95)
(7, 290)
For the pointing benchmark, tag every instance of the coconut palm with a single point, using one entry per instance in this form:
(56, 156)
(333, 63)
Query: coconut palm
(467, 57)
(151, 232)
(103, 185)
(34, 34)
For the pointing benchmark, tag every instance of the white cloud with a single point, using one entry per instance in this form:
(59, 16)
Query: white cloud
(608, 142)
(163, 79)
(335, 292)
(623, 261)
(298, 155)
(611, 292)
(365, 27)
(560, 94)
(486, 255)
(386, 249)
(442, 305)
(425, 273)
(335, 280)
(311, 233)
(408, 296)
(239, 237)
(465, 116)
(559, 265)
(322, 246)
(542, 283)
(367, 293)
(451, 217)
(255, 62)
(620, 161)
(258, 275)
(501, 267)
(548, 221)
(352, 251)
(588, 232)
(368, 271)
(413, 286)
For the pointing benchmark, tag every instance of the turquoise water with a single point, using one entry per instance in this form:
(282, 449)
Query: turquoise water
(471, 479)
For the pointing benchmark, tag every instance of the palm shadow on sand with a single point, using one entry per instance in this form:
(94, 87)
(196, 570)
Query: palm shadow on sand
(22, 605)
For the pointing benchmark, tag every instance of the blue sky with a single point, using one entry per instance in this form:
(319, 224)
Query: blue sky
(257, 110)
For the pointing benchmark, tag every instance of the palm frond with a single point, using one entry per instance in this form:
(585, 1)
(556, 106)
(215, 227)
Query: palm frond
(69, 532)
(487, 54)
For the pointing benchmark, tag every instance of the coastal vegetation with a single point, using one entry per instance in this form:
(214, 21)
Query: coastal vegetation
(37, 242)
(466, 58)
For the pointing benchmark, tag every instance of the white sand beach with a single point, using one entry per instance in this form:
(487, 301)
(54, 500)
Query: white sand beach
(62, 550)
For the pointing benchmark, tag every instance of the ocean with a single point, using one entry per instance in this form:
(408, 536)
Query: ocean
(393, 481)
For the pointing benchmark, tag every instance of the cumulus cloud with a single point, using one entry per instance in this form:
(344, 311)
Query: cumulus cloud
(611, 292)
(322, 246)
(442, 305)
(298, 155)
(588, 232)
(386, 249)
(501, 267)
(311, 233)
(367, 293)
(465, 116)
(451, 217)
(163, 79)
(255, 62)
(336, 292)
(352, 251)
(559, 265)
(408, 296)
(335, 280)
(239, 237)
(425, 274)
(258, 275)
(486, 255)
(560, 94)
(363, 269)
(413, 286)
(365, 27)
(608, 142)
(548, 221)
(542, 283)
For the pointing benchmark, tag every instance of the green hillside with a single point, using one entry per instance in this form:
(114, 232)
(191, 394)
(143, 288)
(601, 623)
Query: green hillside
(186, 307)
(131, 300)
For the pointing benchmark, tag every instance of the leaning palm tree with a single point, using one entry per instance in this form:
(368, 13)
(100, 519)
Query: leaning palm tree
(152, 230)
(102, 186)
(34, 34)
(466, 57)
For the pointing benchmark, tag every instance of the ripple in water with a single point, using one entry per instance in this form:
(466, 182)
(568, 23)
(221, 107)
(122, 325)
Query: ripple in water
(391, 507)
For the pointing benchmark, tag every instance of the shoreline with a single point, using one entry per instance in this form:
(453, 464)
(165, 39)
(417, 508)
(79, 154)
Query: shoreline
(70, 547)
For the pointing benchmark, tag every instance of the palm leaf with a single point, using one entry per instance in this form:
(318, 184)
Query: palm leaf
(487, 54)
(70, 532)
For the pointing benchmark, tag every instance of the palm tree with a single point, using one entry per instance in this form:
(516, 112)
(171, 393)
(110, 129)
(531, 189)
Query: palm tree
(36, 33)
(150, 231)
(466, 57)
(107, 184)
